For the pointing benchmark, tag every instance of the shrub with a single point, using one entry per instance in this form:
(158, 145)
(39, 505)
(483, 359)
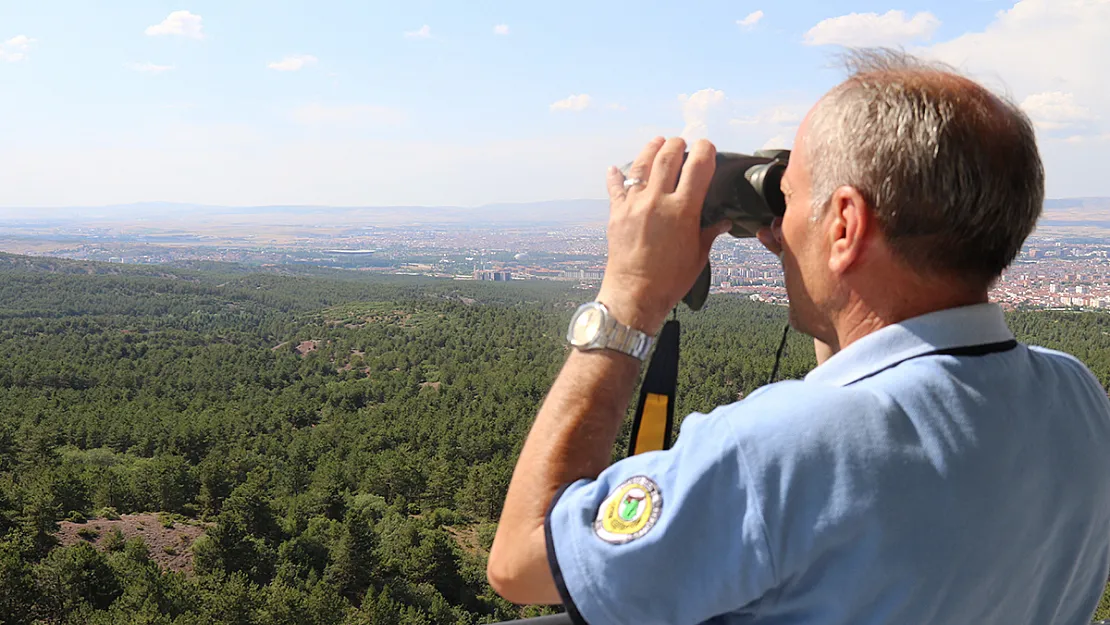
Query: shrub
(486, 532)
(107, 513)
(114, 541)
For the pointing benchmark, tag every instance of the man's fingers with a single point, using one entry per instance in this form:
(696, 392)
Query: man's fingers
(697, 173)
(642, 166)
(767, 238)
(668, 164)
(614, 181)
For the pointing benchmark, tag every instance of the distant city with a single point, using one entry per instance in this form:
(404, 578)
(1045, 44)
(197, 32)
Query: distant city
(1068, 270)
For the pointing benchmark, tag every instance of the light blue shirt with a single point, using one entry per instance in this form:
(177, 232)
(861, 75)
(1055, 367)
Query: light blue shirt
(890, 486)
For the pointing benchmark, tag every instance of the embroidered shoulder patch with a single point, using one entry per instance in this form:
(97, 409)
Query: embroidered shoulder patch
(630, 511)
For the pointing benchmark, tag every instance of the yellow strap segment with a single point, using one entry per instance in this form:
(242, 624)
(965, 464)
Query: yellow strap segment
(653, 424)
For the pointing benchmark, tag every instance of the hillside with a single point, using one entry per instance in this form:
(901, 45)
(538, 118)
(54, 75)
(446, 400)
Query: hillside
(335, 449)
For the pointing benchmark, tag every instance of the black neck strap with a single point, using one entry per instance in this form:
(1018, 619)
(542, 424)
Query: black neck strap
(654, 419)
(964, 350)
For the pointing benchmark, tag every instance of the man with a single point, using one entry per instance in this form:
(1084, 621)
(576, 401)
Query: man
(931, 470)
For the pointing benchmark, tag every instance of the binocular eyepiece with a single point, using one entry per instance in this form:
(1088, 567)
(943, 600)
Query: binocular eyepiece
(746, 191)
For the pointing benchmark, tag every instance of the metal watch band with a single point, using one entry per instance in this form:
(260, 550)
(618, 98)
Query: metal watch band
(626, 339)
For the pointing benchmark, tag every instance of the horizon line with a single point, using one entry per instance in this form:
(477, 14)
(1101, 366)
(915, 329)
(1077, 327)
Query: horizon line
(354, 206)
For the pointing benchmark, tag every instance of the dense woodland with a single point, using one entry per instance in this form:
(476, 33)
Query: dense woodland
(345, 441)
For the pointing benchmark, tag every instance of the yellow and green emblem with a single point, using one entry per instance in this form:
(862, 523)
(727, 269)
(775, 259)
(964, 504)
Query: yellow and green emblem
(629, 511)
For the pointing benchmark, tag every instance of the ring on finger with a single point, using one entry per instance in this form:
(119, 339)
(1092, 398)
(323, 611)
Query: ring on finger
(632, 182)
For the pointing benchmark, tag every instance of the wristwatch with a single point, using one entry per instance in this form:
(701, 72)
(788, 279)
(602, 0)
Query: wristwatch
(592, 327)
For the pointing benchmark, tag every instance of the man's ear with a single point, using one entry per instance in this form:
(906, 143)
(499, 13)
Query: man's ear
(849, 225)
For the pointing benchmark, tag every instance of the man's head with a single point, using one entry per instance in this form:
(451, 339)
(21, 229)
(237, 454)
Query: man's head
(909, 174)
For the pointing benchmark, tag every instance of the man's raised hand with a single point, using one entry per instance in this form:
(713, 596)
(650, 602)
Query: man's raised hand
(657, 247)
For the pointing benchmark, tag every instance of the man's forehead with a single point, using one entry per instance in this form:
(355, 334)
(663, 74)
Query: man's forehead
(803, 128)
(798, 160)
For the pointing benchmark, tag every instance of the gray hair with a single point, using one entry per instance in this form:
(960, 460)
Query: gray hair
(951, 171)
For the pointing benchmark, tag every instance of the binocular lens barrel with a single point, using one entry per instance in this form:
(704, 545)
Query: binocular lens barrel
(767, 181)
(746, 189)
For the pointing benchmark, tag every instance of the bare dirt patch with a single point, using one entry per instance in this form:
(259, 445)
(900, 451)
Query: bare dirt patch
(170, 548)
(307, 346)
(467, 539)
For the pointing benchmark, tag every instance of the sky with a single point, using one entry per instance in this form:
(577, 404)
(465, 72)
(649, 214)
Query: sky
(242, 102)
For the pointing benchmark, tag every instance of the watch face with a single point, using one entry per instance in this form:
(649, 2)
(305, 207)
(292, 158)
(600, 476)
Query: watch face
(586, 326)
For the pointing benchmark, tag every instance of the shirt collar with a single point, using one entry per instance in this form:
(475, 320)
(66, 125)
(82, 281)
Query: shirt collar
(945, 329)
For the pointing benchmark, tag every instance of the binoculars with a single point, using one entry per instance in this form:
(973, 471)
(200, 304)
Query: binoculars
(746, 191)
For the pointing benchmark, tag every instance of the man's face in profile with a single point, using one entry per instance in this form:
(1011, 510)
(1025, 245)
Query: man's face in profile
(804, 257)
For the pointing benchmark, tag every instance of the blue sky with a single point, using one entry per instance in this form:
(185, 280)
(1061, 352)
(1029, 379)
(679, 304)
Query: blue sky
(379, 103)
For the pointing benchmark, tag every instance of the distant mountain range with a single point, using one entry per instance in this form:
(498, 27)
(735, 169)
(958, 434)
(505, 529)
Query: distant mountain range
(1092, 214)
(1096, 203)
(150, 213)
(556, 212)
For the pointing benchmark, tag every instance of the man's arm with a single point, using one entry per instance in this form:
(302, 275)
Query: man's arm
(572, 438)
(656, 250)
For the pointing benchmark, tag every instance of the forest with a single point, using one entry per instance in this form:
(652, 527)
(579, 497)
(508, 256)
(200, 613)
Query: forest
(222, 445)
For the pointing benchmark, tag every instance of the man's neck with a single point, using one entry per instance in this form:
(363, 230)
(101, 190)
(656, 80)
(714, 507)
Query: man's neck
(869, 311)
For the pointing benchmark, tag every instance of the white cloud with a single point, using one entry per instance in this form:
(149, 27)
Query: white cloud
(293, 63)
(776, 116)
(424, 32)
(1038, 46)
(739, 124)
(1056, 110)
(20, 43)
(614, 106)
(781, 115)
(181, 23)
(871, 29)
(778, 142)
(1078, 139)
(501, 29)
(149, 68)
(573, 103)
(317, 114)
(695, 112)
(15, 49)
(1050, 55)
(751, 20)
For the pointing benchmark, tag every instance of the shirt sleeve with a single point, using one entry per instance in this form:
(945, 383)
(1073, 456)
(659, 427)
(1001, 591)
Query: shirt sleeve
(673, 536)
